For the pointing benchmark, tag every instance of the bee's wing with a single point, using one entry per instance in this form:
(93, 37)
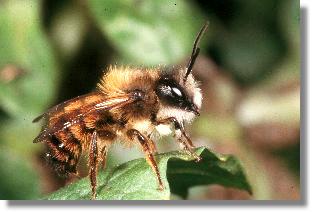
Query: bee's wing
(58, 108)
(76, 115)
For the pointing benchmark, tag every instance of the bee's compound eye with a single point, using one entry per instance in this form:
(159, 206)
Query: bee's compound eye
(177, 91)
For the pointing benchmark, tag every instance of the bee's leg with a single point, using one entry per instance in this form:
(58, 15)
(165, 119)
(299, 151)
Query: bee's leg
(152, 146)
(93, 163)
(189, 150)
(183, 139)
(103, 156)
(148, 152)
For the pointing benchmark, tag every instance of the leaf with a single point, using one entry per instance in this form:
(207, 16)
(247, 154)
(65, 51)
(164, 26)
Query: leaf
(148, 32)
(135, 180)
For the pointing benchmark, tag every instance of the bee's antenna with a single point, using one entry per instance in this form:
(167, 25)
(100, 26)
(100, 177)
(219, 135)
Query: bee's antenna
(195, 51)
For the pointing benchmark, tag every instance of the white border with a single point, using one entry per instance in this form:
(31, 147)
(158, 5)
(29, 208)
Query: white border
(60, 206)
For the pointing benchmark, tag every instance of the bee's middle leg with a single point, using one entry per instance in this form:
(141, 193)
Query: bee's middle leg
(103, 156)
(148, 147)
(93, 163)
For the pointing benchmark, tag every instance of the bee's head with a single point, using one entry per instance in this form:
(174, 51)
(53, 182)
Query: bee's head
(179, 97)
(174, 93)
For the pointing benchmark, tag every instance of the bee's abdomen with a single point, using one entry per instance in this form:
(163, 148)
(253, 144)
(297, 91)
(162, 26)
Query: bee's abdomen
(64, 151)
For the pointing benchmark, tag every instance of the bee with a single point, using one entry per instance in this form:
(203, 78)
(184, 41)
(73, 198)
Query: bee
(133, 105)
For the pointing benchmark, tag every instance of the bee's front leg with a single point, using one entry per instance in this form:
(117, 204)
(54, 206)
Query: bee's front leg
(182, 138)
(148, 150)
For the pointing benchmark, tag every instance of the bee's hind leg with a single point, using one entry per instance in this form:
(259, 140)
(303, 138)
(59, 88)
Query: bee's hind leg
(148, 147)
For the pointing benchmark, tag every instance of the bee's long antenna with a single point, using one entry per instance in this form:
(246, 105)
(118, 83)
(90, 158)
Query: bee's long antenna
(195, 51)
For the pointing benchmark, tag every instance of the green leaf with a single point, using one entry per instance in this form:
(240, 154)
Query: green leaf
(148, 32)
(135, 180)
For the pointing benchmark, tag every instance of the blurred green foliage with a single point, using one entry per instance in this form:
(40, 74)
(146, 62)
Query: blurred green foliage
(157, 38)
(255, 35)
(53, 50)
(28, 83)
(18, 179)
